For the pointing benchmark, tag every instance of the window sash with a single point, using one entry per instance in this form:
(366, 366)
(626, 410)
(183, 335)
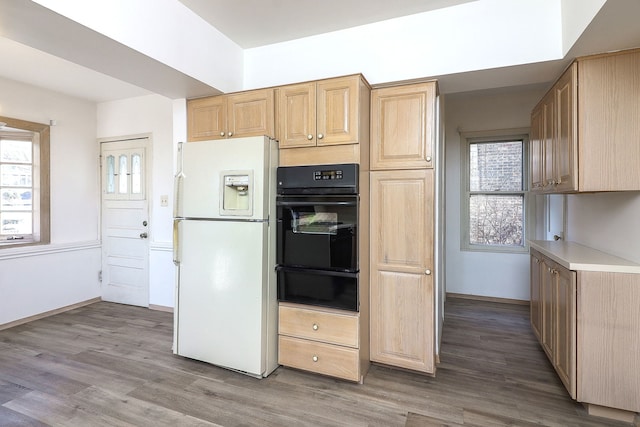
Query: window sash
(465, 206)
(33, 204)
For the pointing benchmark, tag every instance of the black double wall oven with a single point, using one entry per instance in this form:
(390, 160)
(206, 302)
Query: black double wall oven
(317, 235)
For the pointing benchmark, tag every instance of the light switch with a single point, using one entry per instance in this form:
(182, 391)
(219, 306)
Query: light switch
(164, 200)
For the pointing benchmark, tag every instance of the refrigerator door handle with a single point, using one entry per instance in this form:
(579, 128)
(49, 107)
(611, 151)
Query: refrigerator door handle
(176, 241)
(178, 184)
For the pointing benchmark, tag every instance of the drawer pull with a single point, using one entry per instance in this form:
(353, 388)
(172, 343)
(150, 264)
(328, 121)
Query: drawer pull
(315, 326)
(314, 358)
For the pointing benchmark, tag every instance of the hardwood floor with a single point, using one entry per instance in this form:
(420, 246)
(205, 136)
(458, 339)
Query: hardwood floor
(111, 365)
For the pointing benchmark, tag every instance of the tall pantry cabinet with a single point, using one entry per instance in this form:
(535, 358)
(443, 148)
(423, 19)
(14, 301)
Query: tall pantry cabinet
(403, 124)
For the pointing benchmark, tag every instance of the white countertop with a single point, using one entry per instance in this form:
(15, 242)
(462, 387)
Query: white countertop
(578, 257)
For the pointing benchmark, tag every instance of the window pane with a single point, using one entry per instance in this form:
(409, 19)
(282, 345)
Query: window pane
(15, 175)
(495, 166)
(496, 220)
(123, 174)
(16, 199)
(111, 175)
(136, 174)
(15, 223)
(15, 151)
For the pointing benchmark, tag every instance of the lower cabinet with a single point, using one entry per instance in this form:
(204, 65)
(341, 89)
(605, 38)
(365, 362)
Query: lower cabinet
(588, 323)
(553, 290)
(402, 288)
(324, 341)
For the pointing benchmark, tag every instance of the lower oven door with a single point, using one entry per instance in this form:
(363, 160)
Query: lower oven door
(318, 287)
(318, 232)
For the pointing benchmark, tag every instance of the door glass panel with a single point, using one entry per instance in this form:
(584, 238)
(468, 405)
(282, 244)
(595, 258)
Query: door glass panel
(111, 175)
(136, 174)
(123, 174)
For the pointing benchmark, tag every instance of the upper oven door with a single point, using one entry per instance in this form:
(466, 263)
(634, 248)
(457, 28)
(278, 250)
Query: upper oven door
(318, 232)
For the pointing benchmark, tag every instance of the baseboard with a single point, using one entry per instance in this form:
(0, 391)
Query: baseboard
(161, 308)
(488, 299)
(49, 313)
(610, 413)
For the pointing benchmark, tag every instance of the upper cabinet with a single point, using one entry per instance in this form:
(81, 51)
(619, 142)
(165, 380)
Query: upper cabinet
(319, 113)
(323, 121)
(585, 131)
(235, 115)
(403, 123)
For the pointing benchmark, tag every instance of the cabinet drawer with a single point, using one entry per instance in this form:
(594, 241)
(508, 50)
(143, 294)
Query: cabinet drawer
(317, 325)
(327, 359)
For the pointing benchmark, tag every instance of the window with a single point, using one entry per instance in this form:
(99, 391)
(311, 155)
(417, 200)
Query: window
(494, 197)
(24, 184)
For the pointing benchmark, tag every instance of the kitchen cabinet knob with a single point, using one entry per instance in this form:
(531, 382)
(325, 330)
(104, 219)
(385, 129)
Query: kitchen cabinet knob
(315, 326)
(320, 136)
(428, 158)
(309, 137)
(221, 133)
(314, 358)
(427, 272)
(230, 134)
(143, 235)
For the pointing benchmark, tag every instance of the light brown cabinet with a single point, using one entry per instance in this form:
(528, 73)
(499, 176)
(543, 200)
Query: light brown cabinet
(552, 151)
(320, 340)
(403, 125)
(323, 121)
(584, 132)
(236, 115)
(588, 323)
(402, 288)
(535, 301)
(553, 290)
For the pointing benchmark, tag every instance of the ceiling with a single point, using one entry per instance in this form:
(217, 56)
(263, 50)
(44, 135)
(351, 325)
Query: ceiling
(251, 23)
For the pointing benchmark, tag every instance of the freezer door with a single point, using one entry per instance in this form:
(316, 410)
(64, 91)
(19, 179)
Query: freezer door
(200, 180)
(222, 294)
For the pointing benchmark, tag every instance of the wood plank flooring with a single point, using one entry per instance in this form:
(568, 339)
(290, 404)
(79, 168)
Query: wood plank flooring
(111, 365)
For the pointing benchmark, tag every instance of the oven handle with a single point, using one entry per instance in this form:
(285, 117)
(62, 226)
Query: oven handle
(311, 202)
(318, 272)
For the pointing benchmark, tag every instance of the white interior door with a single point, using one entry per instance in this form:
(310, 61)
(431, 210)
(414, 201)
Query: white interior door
(125, 222)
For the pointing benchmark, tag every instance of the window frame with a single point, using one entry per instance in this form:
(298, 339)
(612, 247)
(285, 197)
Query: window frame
(508, 135)
(41, 190)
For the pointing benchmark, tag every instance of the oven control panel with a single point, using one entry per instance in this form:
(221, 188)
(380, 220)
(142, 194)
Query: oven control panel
(325, 174)
(341, 178)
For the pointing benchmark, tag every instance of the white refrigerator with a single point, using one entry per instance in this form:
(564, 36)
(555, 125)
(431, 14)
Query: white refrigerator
(224, 250)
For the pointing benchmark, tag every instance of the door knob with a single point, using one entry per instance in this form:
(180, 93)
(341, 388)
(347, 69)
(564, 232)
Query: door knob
(143, 235)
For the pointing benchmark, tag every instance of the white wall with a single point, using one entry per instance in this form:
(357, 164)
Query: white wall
(152, 114)
(576, 16)
(482, 273)
(609, 222)
(417, 46)
(46, 277)
(165, 30)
